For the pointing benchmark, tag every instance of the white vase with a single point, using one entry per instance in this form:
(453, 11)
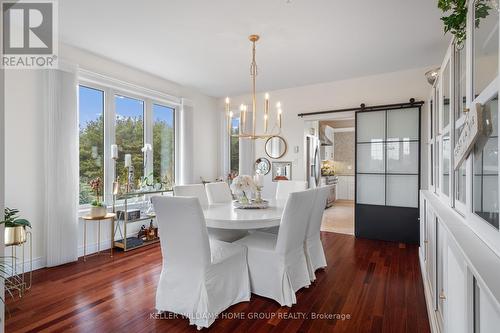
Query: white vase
(97, 211)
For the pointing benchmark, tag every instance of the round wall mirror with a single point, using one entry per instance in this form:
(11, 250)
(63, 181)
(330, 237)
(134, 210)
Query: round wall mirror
(275, 147)
(262, 166)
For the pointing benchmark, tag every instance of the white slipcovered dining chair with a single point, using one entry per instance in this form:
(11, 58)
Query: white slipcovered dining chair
(285, 187)
(199, 278)
(193, 190)
(283, 190)
(277, 263)
(315, 255)
(218, 192)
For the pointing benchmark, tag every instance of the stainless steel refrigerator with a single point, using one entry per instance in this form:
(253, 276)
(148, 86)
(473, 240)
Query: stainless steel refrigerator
(313, 161)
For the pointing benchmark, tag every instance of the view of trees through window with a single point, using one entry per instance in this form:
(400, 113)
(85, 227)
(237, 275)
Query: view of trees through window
(129, 136)
(129, 128)
(163, 144)
(234, 147)
(91, 131)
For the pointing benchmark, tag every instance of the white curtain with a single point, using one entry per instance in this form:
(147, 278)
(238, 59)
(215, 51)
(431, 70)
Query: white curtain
(185, 166)
(61, 161)
(247, 155)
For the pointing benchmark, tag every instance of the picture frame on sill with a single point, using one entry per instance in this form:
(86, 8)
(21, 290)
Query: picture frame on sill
(281, 171)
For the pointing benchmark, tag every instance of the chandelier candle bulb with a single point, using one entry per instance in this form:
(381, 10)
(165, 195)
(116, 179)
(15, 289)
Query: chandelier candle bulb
(266, 111)
(230, 122)
(279, 118)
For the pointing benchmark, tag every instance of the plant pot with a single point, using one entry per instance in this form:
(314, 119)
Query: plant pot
(15, 235)
(98, 211)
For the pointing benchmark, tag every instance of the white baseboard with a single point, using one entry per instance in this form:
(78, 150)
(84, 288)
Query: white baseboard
(40, 262)
(103, 245)
(431, 313)
(37, 264)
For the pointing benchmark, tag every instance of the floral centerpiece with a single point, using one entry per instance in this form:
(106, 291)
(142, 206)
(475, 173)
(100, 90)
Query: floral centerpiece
(97, 207)
(243, 187)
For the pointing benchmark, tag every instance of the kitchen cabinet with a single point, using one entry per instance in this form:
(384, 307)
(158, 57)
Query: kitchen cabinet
(327, 153)
(345, 187)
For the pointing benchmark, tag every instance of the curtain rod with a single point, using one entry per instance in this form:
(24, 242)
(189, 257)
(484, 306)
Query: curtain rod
(363, 107)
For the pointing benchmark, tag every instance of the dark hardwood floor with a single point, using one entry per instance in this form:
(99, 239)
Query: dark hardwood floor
(376, 284)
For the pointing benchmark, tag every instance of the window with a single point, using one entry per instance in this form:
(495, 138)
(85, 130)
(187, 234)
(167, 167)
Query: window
(133, 121)
(446, 104)
(485, 41)
(437, 145)
(163, 144)
(445, 186)
(432, 139)
(485, 171)
(234, 148)
(91, 133)
(129, 136)
(485, 158)
(460, 105)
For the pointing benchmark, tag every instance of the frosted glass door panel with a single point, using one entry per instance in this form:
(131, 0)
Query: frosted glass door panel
(402, 191)
(371, 189)
(402, 124)
(402, 157)
(370, 157)
(371, 126)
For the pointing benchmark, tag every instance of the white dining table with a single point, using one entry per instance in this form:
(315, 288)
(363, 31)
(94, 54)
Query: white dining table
(226, 216)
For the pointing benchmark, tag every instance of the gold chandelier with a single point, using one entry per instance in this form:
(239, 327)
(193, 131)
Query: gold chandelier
(242, 133)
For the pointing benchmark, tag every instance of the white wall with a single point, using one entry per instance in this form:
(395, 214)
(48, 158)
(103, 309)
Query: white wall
(24, 167)
(372, 90)
(24, 148)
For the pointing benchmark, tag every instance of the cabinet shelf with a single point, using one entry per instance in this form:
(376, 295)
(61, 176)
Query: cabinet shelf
(132, 243)
(142, 218)
(119, 244)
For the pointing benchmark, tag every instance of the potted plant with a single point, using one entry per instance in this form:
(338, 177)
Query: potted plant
(97, 207)
(15, 228)
(456, 21)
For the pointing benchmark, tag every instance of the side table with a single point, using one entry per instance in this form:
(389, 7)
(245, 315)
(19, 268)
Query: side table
(108, 216)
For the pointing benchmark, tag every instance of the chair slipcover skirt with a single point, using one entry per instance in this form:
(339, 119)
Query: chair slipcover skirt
(200, 278)
(315, 255)
(275, 275)
(224, 283)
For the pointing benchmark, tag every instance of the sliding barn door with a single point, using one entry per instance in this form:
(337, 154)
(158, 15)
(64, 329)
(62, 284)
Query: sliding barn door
(388, 174)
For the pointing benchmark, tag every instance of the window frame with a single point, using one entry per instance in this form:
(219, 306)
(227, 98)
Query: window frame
(485, 230)
(175, 127)
(229, 138)
(104, 107)
(112, 88)
(443, 130)
(460, 207)
(432, 139)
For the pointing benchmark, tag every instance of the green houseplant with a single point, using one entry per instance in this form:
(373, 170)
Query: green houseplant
(15, 227)
(97, 207)
(456, 21)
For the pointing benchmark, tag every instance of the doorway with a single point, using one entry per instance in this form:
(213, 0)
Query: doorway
(337, 155)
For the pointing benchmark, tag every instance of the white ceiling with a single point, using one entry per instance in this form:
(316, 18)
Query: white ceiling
(203, 44)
